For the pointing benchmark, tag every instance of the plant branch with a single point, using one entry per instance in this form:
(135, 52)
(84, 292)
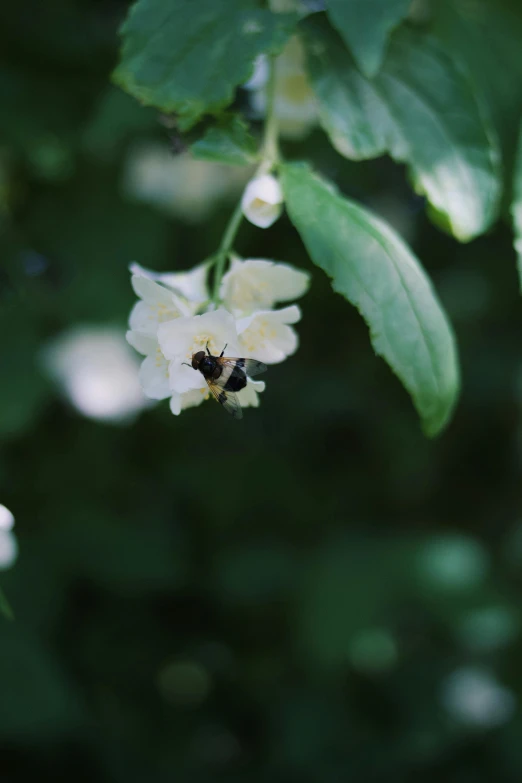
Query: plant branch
(270, 157)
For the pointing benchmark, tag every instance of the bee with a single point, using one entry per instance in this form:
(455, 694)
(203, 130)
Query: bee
(225, 376)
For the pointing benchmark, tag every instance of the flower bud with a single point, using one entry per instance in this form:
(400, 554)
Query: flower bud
(262, 201)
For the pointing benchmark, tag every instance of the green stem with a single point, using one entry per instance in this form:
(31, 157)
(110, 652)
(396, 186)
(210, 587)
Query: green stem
(270, 157)
(224, 249)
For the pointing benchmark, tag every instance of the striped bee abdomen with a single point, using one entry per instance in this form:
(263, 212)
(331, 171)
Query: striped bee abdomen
(233, 379)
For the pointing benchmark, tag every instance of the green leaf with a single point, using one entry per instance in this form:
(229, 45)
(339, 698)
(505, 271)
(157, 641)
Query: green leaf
(423, 111)
(516, 208)
(365, 26)
(187, 57)
(486, 38)
(229, 142)
(373, 268)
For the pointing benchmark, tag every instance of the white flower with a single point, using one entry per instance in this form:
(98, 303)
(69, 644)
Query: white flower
(191, 285)
(295, 106)
(179, 184)
(181, 338)
(262, 201)
(163, 377)
(157, 305)
(257, 284)
(8, 543)
(266, 336)
(97, 371)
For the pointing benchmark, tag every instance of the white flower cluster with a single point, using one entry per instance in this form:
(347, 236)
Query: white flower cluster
(174, 318)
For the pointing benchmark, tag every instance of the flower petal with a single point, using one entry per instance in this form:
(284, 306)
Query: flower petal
(192, 284)
(248, 396)
(154, 378)
(266, 335)
(183, 378)
(257, 284)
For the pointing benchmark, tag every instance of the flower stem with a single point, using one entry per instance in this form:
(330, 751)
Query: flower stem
(270, 157)
(224, 249)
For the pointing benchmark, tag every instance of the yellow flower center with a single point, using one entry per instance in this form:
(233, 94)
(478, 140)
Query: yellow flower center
(200, 342)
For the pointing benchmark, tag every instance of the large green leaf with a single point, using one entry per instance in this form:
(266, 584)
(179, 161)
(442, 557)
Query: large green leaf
(365, 26)
(516, 209)
(486, 37)
(423, 111)
(373, 268)
(188, 56)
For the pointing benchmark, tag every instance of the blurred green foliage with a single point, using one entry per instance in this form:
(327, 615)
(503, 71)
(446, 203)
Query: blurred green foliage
(286, 599)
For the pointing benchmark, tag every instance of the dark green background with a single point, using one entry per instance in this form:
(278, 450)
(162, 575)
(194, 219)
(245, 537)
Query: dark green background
(279, 599)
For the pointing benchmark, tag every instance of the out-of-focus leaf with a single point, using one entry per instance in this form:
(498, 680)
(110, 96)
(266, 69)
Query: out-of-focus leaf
(372, 267)
(365, 26)
(37, 701)
(420, 109)
(228, 142)
(36, 109)
(135, 557)
(485, 36)
(252, 575)
(188, 58)
(23, 390)
(116, 117)
(5, 607)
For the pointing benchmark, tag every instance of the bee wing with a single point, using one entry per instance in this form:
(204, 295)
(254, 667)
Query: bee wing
(228, 399)
(250, 367)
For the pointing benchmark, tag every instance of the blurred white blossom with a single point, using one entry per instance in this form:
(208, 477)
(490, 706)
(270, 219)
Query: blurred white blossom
(97, 372)
(8, 543)
(295, 106)
(262, 201)
(473, 696)
(179, 184)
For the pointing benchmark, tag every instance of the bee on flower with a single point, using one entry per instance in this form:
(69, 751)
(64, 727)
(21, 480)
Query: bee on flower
(184, 339)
